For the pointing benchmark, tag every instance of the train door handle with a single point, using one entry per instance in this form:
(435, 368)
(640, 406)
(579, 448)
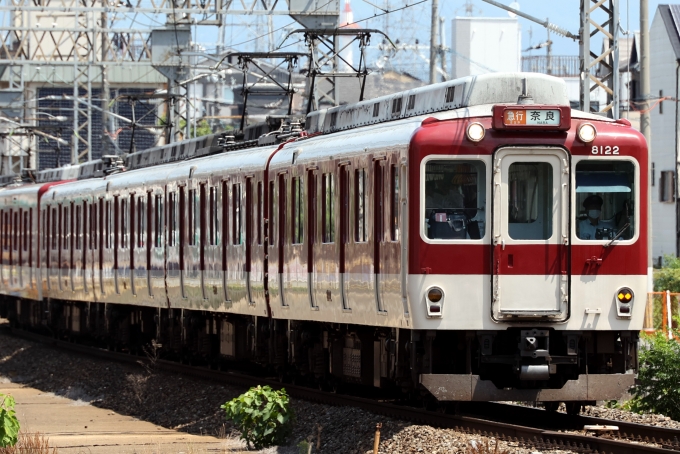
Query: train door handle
(503, 244)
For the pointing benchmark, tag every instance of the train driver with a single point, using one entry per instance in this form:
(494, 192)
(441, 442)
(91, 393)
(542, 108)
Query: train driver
(445, 196)
(587, 227)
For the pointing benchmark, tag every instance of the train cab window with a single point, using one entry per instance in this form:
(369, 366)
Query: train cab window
(328, 208)
(530, 201)
(360, 233)
(455, 198)
(605, 200)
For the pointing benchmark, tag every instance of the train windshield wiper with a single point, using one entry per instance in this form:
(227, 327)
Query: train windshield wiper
(618, 234)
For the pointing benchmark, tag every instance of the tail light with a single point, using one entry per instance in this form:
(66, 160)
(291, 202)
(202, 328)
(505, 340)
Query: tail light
(434, 300)
(624, 302)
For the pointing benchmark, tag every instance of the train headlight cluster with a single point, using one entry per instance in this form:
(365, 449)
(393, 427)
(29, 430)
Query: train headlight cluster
(475, 132)
(587, 133)
(624, 301)
(434, 299)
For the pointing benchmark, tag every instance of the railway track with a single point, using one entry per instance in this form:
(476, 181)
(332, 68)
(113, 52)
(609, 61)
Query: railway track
(540, 429)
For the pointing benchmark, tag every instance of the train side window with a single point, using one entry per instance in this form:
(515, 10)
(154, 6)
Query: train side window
(297, 210)
(212, 215)
(249, 214)
(328, 208)
(605, 200)
(26, 230)
(93, 225)
(124, 213)
(271, 230)
(394, 203)
(77, 226)
(360, 233)
(15, 229)
(158, 222)
(141, 222)
(455, 198)
(55, 221)
(107, 224)
(260, 209)
(5, 229)
(45, 226)
(171, 219)
(66, 229)
(192, 219)
(236, 214)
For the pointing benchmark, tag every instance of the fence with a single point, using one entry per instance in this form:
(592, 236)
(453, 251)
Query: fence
(661, 308)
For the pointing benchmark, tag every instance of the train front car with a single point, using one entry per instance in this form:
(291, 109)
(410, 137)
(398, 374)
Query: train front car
(528, 246)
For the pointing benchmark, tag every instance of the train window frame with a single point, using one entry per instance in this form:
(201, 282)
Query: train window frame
(260, 210)
(574, 210)
(487, 161)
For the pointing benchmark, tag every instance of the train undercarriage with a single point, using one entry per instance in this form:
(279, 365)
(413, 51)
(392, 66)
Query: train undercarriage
(515, 364)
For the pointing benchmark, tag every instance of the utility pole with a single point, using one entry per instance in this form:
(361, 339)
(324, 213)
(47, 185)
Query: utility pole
(434, 47)
(645, 127)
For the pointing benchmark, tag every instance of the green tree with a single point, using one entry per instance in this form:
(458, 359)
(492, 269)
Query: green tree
(657, 389)
(263, 416)
(9, 424)
(668, 277)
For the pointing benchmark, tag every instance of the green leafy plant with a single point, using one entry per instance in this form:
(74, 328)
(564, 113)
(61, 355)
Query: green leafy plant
(264, 416)
(9, 424)
(657, 390)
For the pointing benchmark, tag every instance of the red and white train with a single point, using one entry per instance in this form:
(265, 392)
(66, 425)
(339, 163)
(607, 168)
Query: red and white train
(475, 240)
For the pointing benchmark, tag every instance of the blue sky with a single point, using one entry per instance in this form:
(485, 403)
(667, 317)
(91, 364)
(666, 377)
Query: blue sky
(412, 24)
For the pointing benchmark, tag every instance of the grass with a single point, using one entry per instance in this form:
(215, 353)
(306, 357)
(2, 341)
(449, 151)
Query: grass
(30, 443)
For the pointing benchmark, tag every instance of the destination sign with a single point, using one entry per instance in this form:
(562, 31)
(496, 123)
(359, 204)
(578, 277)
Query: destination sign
(531, 117)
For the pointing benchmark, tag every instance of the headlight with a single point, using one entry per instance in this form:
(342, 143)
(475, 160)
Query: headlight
(475, 132)
(587, 132)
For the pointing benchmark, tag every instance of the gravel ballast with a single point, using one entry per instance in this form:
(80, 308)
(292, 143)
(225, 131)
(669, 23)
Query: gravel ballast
(193, 405)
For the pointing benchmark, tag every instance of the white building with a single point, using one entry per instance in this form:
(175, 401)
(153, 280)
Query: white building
(665, 69)
(482, 45)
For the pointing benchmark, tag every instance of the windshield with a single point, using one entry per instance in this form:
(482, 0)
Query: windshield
(605, 200)
(455, 194)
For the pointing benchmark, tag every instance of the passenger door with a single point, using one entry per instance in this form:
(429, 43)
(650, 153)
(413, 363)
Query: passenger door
(530, 234)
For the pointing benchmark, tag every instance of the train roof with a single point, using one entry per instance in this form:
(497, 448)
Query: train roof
(495, 88)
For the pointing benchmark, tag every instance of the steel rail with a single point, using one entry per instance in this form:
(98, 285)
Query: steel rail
(520, 435)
